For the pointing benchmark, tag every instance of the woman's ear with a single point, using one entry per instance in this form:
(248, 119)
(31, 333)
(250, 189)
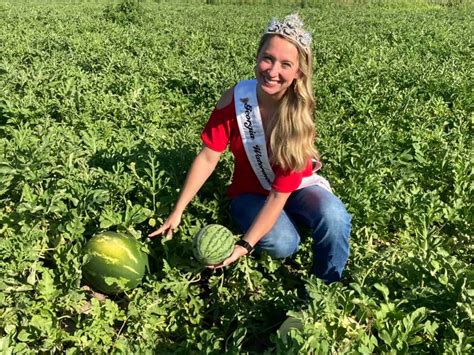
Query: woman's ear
(294, 84)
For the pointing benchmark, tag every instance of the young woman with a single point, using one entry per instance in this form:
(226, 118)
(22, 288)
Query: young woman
(268, 124)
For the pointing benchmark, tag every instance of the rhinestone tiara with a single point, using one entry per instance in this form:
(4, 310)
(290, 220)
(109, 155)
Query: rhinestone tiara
(291, 27)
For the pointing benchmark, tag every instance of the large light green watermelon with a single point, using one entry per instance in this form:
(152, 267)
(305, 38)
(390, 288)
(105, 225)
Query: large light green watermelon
(114, 262)
(213, 244)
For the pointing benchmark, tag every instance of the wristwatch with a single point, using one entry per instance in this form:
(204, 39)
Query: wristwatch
(245, 245)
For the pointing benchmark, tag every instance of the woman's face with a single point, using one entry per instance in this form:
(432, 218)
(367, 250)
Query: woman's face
(277, 66)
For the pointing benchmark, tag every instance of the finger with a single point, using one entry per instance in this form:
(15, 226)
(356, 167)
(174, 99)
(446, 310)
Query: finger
(221, 265)
(155, 233)
(169, 234)
(159, 230)
(230, 259)
(215, 266)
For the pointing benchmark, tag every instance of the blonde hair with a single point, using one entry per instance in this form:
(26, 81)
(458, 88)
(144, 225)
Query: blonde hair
(291, 129)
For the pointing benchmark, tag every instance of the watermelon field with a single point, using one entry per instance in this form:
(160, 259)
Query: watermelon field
(101, 107)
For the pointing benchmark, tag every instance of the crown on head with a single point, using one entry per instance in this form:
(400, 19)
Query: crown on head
(291, 27)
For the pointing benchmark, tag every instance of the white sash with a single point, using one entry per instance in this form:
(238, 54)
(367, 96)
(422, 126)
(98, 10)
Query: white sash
(253, 138)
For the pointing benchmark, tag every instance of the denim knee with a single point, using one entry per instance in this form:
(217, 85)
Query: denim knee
(281, 241)
(334, 220)
(279, 245)
(334, 216)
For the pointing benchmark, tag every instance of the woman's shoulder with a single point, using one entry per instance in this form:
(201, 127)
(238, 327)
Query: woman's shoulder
(226, 99)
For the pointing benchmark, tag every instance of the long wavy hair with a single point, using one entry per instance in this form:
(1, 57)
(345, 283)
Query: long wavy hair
(291, 129)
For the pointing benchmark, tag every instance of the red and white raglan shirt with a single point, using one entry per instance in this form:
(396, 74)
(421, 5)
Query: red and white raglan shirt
(222, 130)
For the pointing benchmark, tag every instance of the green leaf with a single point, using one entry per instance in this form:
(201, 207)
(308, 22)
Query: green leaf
(110, 218)
(383, 289)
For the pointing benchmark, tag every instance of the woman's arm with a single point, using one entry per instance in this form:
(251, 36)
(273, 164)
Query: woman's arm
(201, 168)
(262, 224)
(267, 217)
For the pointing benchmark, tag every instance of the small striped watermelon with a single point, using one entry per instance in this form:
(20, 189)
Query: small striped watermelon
(213, 244)
(114, 262)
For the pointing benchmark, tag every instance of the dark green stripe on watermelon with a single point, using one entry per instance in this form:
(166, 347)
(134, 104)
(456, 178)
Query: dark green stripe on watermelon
(213, 244)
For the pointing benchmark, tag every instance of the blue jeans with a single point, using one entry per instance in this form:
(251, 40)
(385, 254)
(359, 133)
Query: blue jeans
(312, 207)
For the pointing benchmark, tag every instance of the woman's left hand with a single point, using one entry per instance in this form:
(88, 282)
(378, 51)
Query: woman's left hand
(237, 253)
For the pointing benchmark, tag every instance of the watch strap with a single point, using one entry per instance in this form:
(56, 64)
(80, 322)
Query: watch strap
(246, 245)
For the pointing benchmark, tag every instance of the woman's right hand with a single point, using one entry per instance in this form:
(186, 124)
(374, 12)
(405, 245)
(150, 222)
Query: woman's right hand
(202, 167)
(170, 225)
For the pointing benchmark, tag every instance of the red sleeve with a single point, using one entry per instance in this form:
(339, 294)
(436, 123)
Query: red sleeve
(288, 181)
(216, 133)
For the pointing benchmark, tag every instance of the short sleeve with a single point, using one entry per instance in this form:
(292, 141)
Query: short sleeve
(289, 181)
(286, 181)
(216, 133)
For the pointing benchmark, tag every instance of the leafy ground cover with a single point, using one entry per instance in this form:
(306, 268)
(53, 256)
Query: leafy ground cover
(101, 107)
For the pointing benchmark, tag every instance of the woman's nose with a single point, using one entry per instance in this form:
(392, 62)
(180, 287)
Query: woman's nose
(273, 70)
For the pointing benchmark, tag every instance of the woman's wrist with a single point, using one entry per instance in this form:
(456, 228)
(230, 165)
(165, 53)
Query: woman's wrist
(242, 250)
(177, 211)
(246, 246)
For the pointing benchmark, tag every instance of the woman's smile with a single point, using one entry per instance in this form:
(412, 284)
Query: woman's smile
(277, 66)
